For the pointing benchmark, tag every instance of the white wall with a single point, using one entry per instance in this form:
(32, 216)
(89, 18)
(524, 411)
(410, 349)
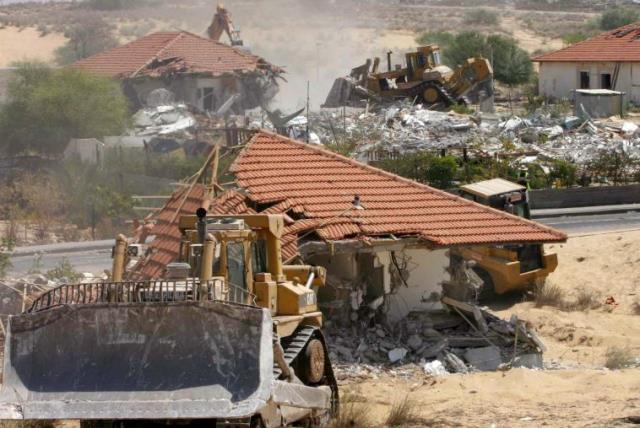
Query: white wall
(559, 79)
(426, 273)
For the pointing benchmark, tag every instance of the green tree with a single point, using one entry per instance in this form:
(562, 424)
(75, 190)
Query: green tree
(442, 171)
(87, 36)
(511, 64)
(46, 108)
(564, 172)
(617, 17)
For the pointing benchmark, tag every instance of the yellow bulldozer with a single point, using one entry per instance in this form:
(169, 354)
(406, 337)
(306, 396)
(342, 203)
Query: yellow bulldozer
(423, 78)
(506, 268)
(230, 337)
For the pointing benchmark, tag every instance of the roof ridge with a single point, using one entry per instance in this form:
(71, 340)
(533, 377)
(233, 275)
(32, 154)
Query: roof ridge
(602, 35)
(387, 174)
(217, 42)
(157, 54)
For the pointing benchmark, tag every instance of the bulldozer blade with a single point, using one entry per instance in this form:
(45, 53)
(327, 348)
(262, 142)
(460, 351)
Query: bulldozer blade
(138, 361)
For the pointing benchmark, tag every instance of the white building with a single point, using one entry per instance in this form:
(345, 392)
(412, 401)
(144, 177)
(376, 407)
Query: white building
(608, 61)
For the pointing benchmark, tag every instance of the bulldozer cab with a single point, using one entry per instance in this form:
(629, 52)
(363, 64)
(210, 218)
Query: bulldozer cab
(425, 58)
(244, 252)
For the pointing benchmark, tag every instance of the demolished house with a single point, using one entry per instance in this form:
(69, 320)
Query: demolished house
(384, 239)
(201, 72)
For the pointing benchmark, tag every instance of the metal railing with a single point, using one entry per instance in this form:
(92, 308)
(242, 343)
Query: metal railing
(180, 290)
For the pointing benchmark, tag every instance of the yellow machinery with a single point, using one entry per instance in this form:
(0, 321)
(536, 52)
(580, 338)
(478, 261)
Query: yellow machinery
(509, 267)
(222, 23)
(424, 78)
(228, 338)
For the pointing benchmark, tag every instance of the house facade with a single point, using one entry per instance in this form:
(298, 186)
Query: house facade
(383, 239)
(204, 73)
(608, 61)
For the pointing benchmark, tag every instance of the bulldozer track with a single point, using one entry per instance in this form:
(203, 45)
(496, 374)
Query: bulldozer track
(293, 347)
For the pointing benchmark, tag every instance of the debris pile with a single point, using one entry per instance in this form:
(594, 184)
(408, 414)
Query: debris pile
(457, 339)
(407, 128)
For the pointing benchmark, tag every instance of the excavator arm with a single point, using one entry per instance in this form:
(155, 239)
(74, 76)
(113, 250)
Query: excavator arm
(222, 23)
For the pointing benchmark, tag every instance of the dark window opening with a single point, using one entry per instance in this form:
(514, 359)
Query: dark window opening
(208, 99)
(584, 80)
(605, 81)
(530, 257)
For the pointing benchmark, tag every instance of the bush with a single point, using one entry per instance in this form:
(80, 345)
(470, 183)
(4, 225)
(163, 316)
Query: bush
(441, 38)
(617, 17)
(548, 294)
(403, 413)
(618, 358)
(563, 172)
(63, 271)
(352, 415)
(46, 108)
(481, 16)
(441, 171)
(586, 299)
(574, 37)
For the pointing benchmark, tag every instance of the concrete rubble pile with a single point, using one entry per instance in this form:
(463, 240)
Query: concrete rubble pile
(457, 339)
(542, 136)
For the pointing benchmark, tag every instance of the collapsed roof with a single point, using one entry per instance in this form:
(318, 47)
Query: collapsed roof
(315, 189)
(168, 52)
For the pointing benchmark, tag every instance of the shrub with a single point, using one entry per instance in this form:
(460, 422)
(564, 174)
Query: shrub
(618, 358)
(63, 271)
(481, 16)
(549, 294)
(617, 17)
(352, 415)
(564, 172)
(587, 299)
(574, 37)
(403, 413)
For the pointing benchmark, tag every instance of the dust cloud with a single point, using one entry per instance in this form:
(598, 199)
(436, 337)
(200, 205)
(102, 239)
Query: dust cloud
(315, 41)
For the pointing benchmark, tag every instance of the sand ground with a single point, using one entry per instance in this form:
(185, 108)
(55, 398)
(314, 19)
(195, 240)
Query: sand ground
(579, 394)
(17, 44)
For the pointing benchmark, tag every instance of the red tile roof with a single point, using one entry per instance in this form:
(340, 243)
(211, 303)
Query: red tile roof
(316, 188)
(172, 51)
(621, 44)
(321, 184)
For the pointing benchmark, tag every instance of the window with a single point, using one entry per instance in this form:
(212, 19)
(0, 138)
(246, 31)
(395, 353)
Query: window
(235, 262)
(584, 80)
(259, 256)
(208, 98)
(605, 81)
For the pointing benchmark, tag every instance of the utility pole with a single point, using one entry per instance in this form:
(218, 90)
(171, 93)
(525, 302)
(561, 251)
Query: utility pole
(308, 118)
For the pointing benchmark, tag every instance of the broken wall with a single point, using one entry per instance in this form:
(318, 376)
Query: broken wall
(369, 281)
(207, 92)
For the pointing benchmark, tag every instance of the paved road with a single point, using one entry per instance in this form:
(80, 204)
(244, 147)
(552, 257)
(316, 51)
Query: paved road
(95, 256)
(576, 225)
(91, 256)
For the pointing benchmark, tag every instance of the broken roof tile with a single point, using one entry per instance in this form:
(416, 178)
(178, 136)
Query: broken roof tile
(172, 51)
